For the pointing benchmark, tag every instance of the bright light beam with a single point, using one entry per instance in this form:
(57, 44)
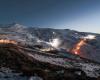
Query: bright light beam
(89, 37)
(55, 43)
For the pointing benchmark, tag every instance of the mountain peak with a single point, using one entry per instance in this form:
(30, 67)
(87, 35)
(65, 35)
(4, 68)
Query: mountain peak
(16, 26)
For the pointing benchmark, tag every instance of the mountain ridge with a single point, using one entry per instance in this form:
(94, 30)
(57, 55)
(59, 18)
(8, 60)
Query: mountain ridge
(42, 36)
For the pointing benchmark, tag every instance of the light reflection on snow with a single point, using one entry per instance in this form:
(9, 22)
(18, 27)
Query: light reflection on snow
(89, 37)
(55, 43)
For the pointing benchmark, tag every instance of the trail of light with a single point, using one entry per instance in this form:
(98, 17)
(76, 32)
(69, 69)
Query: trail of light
(76, 49)
(2, 41)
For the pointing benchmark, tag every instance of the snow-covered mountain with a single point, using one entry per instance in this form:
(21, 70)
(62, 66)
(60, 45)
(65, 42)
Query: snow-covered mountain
(43, 36)
(29, 50)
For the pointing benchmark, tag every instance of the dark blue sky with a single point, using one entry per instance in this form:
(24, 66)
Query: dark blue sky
(81, 15)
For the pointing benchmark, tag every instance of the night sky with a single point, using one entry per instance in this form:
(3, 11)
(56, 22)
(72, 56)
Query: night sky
(81, 15)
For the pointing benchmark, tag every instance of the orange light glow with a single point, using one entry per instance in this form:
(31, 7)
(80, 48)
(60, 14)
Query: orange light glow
(76, 49)
(7, 41)
(76, 52)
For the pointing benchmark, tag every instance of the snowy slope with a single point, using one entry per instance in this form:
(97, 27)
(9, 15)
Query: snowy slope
(62, 40)
(42, 36)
